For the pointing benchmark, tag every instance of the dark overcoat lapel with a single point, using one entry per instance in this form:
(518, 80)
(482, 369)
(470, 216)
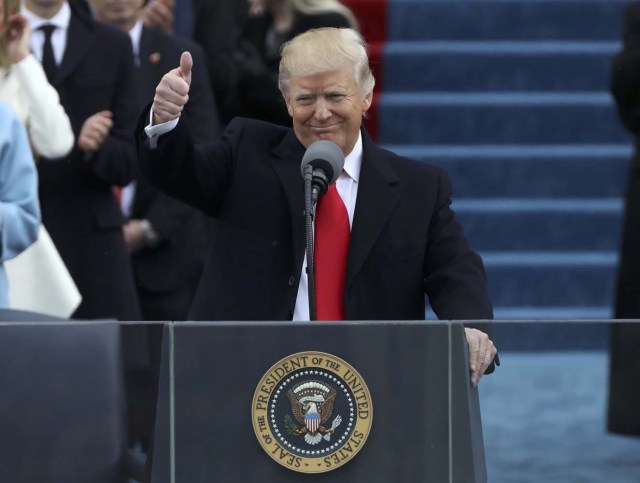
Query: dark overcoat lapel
(377, 197)
(286, 159)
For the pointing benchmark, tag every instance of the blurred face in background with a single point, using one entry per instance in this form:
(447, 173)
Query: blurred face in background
(37, 5)
(120, 13)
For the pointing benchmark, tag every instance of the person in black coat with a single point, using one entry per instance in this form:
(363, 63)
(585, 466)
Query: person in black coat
(404, 238)
(624, 384)
(93, 74)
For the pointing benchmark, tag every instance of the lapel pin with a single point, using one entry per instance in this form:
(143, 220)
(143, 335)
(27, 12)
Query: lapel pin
(154, 58)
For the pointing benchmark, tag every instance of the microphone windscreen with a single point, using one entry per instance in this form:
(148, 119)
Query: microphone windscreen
(324, 155)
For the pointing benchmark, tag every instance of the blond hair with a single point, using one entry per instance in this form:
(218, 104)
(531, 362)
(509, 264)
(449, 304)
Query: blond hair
(10, 7)
(325, 50)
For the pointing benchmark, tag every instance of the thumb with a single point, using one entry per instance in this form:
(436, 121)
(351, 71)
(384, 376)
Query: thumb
(186, 63)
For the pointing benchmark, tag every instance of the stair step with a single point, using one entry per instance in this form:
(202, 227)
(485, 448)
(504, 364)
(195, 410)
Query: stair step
(547, 328)
(555, 335)
(501, 206)
(543, 259)
(553, 99)
(529, 171)
(528, 228)
(498, 66)
(551, 313)
(473, 118)
(505, 19)
(551, 280)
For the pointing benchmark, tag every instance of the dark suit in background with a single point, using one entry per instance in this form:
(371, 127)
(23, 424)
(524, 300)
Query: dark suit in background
(624, 387)
(405, 240)
(167, 273)
(78, 206)
(216, 27)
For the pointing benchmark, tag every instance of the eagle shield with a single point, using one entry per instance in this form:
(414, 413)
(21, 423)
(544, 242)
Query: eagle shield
(312, 405)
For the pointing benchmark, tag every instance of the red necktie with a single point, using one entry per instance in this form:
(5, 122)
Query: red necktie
(331, 246)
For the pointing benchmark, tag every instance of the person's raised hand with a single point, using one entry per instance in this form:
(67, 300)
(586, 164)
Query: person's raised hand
(158, 14)
(173, 91)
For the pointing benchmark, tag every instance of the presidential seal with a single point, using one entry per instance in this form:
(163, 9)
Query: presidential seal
(312, 412)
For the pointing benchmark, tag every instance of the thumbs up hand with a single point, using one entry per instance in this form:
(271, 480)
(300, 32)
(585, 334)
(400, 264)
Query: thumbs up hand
(173, 91)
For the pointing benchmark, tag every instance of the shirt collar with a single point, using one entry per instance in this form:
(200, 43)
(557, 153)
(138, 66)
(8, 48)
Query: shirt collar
(353, 162)
(60, 19)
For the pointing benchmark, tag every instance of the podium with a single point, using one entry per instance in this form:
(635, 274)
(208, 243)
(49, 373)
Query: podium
(426, 424)
(62, 415)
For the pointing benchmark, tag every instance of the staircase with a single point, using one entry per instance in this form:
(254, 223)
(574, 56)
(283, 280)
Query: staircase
(511, 98)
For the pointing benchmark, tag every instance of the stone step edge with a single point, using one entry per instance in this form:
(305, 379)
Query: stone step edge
(511, 151)
(527, 259)
(539, 205)
(500, 47)
(496, 99)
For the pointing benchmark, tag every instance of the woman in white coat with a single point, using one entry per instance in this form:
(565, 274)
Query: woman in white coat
(24, 86)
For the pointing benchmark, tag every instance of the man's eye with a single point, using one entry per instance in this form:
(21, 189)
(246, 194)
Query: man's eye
(305, 99)
(336, 97)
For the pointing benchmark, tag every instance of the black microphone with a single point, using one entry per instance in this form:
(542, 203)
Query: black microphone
(326, 160)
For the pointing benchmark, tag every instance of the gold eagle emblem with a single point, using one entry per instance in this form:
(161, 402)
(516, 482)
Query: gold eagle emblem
(312, 406)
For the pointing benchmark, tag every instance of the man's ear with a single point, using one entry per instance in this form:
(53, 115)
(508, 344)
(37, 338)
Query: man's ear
(287, 100)
(366, 101)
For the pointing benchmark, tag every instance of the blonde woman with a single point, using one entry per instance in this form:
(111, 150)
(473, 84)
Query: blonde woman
(38, 279)
(270, 25)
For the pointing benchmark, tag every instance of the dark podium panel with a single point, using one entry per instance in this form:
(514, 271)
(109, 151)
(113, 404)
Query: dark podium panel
(424, 428)
(62, 415)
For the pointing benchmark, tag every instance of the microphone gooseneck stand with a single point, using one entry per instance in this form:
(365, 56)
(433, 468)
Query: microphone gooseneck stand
(308, 219)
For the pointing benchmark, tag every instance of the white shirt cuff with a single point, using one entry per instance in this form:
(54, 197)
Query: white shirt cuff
(154, 132)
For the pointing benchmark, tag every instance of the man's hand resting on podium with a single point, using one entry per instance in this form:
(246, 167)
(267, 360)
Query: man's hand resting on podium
(481, 353)
(173, 92)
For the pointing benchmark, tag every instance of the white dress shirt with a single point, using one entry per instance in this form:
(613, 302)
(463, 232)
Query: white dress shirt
(58, 37)
(135, 34)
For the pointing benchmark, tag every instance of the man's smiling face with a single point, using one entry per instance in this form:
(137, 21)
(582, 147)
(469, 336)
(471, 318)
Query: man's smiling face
(327, 106)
